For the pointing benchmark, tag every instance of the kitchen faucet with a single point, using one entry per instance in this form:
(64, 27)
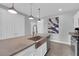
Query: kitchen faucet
(35, 30)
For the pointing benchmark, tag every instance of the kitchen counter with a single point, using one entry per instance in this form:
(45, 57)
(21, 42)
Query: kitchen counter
(12, 46)
(74, 33)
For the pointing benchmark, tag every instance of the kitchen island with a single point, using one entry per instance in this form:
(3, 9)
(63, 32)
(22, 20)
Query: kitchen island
(22, 46)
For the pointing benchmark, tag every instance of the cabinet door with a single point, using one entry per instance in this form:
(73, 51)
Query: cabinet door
(74, 46)
(44, 48)
(76, 20)
(41, 51)
(27, 52)
(38, 51)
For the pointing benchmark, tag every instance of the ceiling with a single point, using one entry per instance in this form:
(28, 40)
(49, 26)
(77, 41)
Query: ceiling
(46, 9)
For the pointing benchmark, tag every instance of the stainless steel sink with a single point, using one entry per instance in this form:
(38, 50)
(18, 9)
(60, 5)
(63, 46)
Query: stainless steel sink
(36, 38)
(39, 40)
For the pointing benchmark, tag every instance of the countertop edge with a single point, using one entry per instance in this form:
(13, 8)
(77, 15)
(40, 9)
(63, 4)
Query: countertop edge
(21, 50)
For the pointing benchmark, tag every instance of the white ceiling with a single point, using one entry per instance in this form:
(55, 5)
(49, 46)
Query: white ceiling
(46, 8)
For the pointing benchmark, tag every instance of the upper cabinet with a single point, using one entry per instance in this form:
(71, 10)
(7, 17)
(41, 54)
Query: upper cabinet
(40, 26)
(12, 25)
(76, 20)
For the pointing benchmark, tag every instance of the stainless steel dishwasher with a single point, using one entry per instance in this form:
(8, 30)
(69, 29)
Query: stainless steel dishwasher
(74, 46)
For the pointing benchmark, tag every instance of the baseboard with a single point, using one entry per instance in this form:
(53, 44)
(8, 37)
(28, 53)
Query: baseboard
(61, 42)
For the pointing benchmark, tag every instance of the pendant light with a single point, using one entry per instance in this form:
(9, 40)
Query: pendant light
(39, 15)
(31, 16)
(12, 9)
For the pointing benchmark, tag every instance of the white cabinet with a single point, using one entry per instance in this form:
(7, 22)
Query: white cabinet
(41, 51)
(11, 25)
(32, 51)
(27, 52)
(38, 51)
(40, 26)
(76, 20)
(44, 48)
(74, 46)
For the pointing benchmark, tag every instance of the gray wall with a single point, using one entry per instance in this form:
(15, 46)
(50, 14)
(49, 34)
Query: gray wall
(27, 27)
(0, 25)
(11, 25)
(66, 25)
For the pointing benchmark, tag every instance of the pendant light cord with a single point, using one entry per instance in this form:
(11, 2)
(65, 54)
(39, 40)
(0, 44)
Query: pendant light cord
(39, 13)
(31, 9)
(12, 5)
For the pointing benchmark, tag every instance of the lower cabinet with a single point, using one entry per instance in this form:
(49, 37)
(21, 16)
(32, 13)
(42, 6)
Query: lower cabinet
(32, 51)
(74, 45)
(41, 51)
(27, 52)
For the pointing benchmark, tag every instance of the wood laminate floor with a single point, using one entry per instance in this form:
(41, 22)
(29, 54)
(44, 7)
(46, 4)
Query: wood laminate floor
(57, 49)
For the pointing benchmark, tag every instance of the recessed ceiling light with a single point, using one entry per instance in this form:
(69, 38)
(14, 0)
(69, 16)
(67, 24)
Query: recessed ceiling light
(60, 9)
